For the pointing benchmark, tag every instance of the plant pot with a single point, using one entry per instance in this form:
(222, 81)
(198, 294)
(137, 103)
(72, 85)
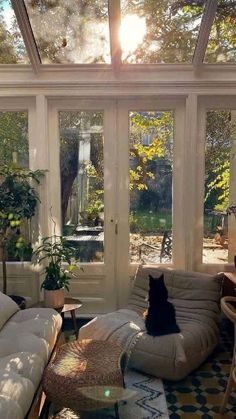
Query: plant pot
(54, 298)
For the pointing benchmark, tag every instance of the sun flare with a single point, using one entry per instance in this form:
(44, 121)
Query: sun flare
(132, 31)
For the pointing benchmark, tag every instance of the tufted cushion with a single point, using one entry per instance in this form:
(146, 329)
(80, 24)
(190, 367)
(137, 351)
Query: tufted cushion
(26, 342)
(7, 308)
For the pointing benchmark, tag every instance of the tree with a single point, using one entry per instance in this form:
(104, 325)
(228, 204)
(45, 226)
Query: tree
(173, 28)
(14, 138)
(12, 48)
(151, 158)
(222, 41)
(219, 131)
(78, 30)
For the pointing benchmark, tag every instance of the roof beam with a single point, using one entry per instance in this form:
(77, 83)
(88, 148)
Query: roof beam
(204, 32)
(114, 28)
(27, 33)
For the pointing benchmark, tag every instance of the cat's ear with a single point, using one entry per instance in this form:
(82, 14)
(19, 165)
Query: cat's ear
(160, 278)
(152, 281)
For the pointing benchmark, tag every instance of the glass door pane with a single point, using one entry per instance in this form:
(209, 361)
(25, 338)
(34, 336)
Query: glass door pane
(151, 168)
(82, 182)
(219, 152)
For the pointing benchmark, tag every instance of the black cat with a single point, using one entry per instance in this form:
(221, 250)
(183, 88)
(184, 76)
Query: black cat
(160, 318)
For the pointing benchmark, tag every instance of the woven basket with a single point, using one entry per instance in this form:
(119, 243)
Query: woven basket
(85, 375)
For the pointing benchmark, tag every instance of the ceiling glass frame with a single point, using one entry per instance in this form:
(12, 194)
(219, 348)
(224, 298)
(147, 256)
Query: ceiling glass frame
(114, 15)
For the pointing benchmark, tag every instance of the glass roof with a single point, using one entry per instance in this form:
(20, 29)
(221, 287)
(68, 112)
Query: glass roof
(70, 31)
(168, 32)
(222, 41)
(117, 32)
(12, 47)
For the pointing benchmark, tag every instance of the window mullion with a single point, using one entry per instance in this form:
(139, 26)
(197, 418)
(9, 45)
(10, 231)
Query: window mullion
(204, 32)
(114, 27)
(27, 33)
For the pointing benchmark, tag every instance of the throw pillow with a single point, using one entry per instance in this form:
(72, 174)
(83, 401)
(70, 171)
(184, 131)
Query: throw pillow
(160, 318)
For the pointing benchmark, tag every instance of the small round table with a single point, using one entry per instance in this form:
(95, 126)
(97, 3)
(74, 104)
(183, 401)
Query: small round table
(70, 304)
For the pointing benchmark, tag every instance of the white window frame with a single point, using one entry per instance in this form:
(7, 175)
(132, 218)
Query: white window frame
(206, 103)
(125, 269)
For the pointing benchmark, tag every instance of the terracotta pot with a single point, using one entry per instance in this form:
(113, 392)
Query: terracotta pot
(54, 298)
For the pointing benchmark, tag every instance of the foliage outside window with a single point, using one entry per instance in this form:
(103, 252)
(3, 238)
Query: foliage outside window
(220, 138)
(151, 161)
(14, 149)
(12, 48)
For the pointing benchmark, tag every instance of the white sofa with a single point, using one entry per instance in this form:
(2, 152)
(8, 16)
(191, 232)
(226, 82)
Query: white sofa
(196, 299)
(27, 338)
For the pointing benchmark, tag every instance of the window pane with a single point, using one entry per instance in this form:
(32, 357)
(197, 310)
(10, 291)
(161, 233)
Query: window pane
(81, 165)
(12, 48)
(159, 32)
(14, 148)
(222, 41)
(14, 145)
(151, 164)
(70, 31)
(218, 151)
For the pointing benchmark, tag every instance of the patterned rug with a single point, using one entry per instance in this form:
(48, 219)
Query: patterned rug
(147, 401)
(200, 394)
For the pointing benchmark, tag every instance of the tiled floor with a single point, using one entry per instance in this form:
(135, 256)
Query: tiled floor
(200, 394)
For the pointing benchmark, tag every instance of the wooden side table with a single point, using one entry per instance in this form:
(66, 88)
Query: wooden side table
(229, 283)
(71, 304)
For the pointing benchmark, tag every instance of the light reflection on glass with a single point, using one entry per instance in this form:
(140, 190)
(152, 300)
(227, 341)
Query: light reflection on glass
(70, 32)
(164, 31)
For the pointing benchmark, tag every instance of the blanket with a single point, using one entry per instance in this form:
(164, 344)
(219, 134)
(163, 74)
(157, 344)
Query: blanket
(123, 327)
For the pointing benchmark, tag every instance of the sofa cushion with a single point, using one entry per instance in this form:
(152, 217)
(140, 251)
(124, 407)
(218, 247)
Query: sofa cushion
(10, 408)
(7, 308)
(26, 342)
(26, 364)
(19, 389)
(182, 286)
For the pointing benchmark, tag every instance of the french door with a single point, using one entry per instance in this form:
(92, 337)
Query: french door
(110, 183)
(82, 194)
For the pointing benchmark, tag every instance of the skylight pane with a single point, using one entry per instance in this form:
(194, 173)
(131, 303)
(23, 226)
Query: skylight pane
(12, 48)
(161, 31)
(70, 31)
(222, 41)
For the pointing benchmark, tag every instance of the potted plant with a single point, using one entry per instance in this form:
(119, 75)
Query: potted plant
(18, 202)
(59, 254)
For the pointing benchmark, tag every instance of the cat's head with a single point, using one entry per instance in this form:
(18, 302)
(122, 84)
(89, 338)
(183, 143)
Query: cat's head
(157, 288)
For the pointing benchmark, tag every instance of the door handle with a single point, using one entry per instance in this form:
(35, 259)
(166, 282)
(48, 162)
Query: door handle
(116, 225)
